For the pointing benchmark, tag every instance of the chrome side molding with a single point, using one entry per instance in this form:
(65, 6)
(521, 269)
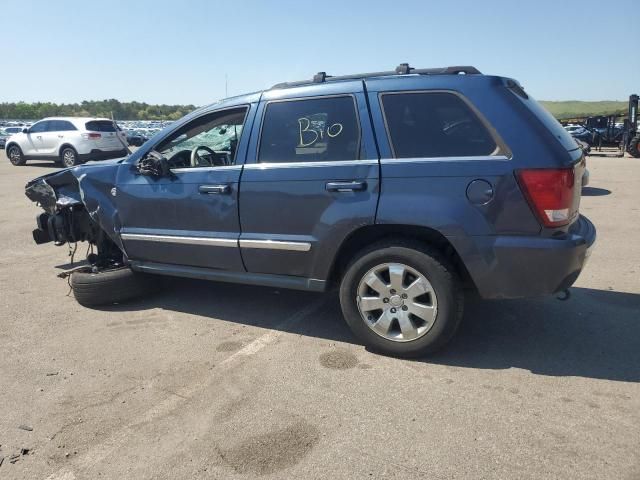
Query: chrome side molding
(276, 245)
(213, 242)
(219, 242)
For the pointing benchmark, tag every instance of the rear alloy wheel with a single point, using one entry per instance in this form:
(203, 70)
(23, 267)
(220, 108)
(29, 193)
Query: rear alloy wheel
(402, 298)
(69, 157)
(15, 156)
(403, 309)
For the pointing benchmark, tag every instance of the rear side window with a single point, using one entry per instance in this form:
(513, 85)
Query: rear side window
(310, 130)
(100, 126)
(61, 126)
(434, 124)
(549, 121)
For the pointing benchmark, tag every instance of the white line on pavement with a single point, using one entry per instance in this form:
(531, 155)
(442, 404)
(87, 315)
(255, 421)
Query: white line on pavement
(103, 450)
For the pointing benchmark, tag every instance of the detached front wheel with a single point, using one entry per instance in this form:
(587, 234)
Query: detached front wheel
(109, 286)
(402, 299)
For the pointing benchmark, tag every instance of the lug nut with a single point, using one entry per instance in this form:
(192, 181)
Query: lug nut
(404, 295)
(392, 291)
(405, 308)
(393, 310)
(385, 300)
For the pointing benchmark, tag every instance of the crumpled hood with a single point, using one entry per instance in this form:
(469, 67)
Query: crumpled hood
(49, 190)
(89, 185)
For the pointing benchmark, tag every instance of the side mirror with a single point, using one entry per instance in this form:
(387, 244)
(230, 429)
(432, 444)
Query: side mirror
(25, 130)
(153, 164)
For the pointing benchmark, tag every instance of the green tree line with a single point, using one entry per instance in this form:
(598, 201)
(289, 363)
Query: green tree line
(581, 109)
(145, 111)
(94, 108)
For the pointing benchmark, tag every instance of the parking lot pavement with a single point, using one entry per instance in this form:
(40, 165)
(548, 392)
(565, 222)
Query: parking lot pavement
(206, 380)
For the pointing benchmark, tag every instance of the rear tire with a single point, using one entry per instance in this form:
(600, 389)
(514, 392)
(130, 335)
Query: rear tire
(110, 286)
(364, 309)
(634, 147)
(69, 157)
(14, 153)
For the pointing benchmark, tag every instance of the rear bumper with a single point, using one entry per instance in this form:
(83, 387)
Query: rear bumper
(515, 266)
(97, 154)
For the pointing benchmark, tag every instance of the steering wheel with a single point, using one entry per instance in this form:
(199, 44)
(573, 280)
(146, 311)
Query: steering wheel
(197, 160)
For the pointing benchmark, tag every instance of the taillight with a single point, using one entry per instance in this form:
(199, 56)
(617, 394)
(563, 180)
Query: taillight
(91, 136)
(550, 193)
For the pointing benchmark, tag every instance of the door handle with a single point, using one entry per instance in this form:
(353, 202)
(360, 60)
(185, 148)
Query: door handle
(215, 189)
(354, 186)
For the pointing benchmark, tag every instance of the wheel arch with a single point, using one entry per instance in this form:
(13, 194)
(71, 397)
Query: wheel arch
(370, 234)
(65, 145)
(12, 144)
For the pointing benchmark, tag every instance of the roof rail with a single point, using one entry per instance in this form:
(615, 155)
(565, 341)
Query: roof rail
(402, 69)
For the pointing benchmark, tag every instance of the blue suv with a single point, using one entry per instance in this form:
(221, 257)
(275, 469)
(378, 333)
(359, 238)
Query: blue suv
(404, 189)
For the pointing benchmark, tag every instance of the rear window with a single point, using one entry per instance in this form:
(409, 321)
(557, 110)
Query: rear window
(100, 126)
(434, 124)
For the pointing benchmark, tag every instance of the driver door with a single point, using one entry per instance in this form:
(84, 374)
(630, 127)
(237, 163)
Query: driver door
(189, 218)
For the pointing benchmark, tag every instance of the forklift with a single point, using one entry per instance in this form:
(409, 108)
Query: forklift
(631, 134)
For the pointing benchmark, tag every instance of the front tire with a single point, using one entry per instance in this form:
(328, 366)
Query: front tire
(14, 153)
(402, 299)
(69, 157)
(109, 286)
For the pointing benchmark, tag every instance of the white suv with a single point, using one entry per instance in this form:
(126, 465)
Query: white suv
(68, 140)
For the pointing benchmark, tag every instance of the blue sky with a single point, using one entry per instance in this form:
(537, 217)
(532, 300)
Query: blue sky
(179, 51)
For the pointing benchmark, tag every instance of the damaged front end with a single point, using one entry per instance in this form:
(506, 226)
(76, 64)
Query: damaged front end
(78, 206)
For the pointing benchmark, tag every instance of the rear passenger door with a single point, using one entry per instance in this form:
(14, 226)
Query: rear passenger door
(58, 132)
(311, 179)
(49, 138)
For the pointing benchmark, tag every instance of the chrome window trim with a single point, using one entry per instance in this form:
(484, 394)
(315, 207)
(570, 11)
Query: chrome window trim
(269, 165)
(214, 242)
(205, 169)
(318, 97)
(394, 161)
(276, 245)
(501, 150)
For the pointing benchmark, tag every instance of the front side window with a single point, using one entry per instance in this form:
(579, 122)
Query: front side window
(208, 141)
(310, 130)
(434, 124)
(39, 127)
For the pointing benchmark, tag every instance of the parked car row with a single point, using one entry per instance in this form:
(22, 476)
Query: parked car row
(136, 132)
(587, 135)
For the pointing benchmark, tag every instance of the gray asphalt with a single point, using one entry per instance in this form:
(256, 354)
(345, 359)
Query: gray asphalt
(206, 380)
